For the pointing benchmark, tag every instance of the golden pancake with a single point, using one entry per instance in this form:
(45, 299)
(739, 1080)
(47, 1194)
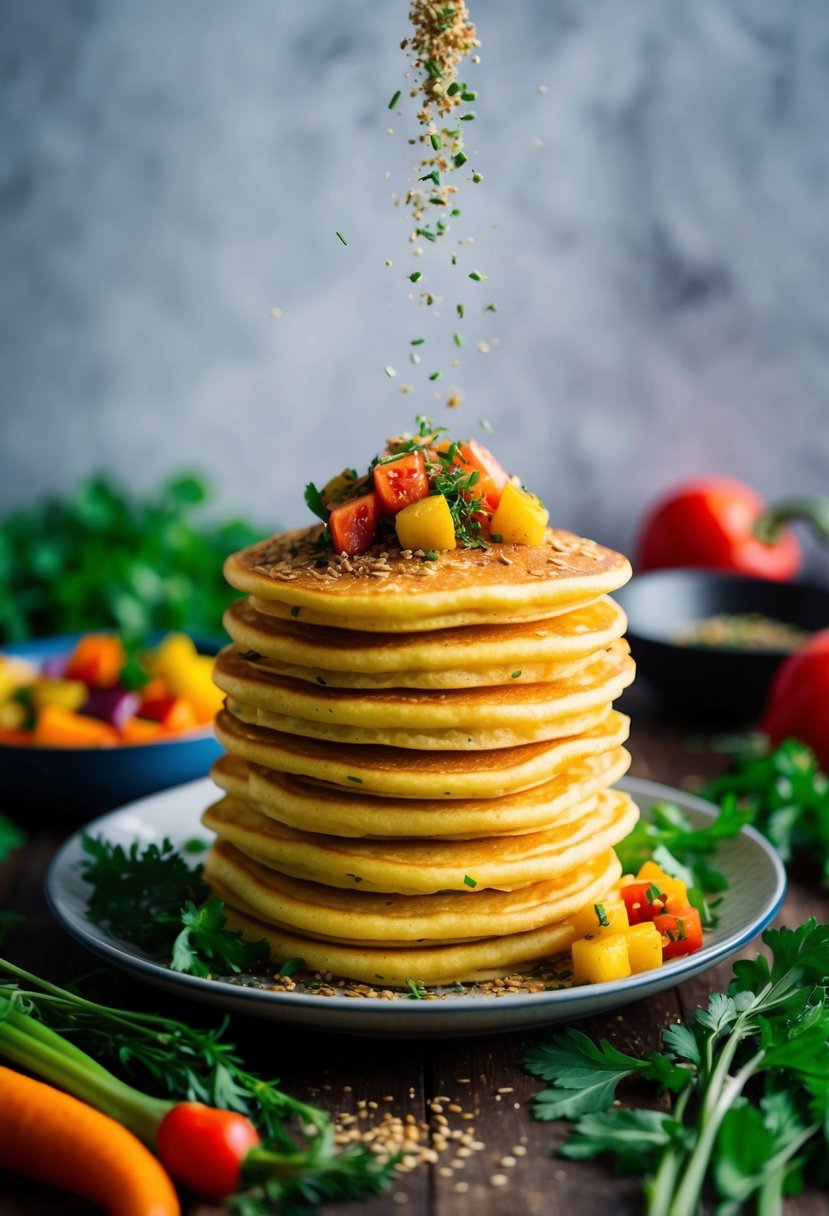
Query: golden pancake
(356, 916)
(520, 707)
(435, 740)
(394, 591)
(328, 810)
(393, 772)
(450, 658)
(421, 867)
(470, 962)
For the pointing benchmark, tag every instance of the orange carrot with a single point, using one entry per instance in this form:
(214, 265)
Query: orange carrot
(97, 660)
(140, 730)
(50, 1135)
(56, 727)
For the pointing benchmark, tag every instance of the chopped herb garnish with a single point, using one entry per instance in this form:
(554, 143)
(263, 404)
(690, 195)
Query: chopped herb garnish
(601, 915)
(394, 100)
(477, 177)
(470, 117)
(515, 674)
(435, 375)
(320, 680)
(390, 371)
(469, 95)
(295, 610)
(416, 276)
(459, 159)
(457, 339)
(356, 780)
(476, 276)
(417, 989)
(314, 502)
(430, 555)
(342, 238)
(470, 882)
(653, 894)
(436, 141)
(417, 341)
(291, 966)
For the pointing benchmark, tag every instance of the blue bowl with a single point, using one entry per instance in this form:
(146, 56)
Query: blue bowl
(57, 782)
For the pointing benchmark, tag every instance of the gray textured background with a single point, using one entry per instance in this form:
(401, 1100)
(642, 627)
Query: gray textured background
(655, 228)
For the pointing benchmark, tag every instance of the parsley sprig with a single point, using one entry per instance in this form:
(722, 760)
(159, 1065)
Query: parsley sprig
(153, 898)
(751, 1075)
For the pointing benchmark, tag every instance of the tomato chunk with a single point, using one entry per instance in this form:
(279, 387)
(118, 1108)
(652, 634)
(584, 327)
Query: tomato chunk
(640, 907)
(96, 660)
(401, 482)
(681, 932)
(492, 476)
(353, 525)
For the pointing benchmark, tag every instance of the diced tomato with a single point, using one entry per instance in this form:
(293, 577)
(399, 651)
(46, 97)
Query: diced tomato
(492, 476)
(401, 482)
(681, 932)
(180, 716)
(96, 660)
(640, 908)
(353, 525)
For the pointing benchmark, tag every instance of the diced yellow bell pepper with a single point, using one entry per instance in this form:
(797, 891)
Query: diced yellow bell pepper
(334, 489)
(68, 694)
(14, 673)
(599, 959)
(187, 674)
(520, 518)
(591, 919)
(426, 524)
(644, 942)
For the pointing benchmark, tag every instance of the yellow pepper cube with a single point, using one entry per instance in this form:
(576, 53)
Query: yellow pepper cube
(520, 518)
(426, 524)
(68, 694)
(172, 653)
(599, 959)
(14, 673)
(333, 490)
(644, 944)
(675, 889)
(608, 916)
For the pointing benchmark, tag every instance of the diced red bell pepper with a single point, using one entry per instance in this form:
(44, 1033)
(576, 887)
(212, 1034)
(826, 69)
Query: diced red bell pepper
(97, 660)
(640, 908)
(681, 931)
(353, 525)
(401, 482)
(492, 476)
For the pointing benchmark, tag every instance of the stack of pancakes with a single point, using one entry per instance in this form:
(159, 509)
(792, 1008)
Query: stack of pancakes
(420, 754)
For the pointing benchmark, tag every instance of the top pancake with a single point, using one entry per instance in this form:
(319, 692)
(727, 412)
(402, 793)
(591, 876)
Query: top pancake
(397, 591)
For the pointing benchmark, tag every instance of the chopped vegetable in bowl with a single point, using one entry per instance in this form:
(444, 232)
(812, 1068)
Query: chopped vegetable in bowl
(100, 694)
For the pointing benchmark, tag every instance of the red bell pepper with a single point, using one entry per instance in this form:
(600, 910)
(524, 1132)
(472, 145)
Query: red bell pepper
(797, 705)
(401, 482)
(353, 525)
(681, 932)
(723, 524)
(639, 907)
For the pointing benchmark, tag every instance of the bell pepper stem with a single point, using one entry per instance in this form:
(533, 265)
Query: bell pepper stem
(810, 508)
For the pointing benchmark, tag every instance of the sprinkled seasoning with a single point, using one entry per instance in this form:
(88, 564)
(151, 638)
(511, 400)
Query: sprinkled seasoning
(442, 36)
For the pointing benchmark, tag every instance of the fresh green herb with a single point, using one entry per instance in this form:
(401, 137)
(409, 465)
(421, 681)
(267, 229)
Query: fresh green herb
(394, 99)
(457, 339)
(417, 989)
(291, 966)
(430, 555)
(469, 881)
(476, 276)
(515, 674)
(416, 275)
(436, 141)
(295, 611)
(314, 502)
(195, 845)
(342, 238)
(417, 341)
(11, 837)
(490, 308)
(356, 780)
(784, 794)
(413, 357)
(149, 897)
(485, 425)
(669, 838)
(653, 894)
(99, 558)
(751, 1071)
(459, 159)
(468, 117)
(601, 915)
(205, 947)
(321, 680)
(389, 370)
(455, 88)
(435, 375)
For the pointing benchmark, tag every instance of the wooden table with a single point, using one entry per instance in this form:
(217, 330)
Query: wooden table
(497, 1159)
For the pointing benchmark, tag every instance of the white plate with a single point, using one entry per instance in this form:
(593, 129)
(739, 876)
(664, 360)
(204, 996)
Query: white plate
(756, 878)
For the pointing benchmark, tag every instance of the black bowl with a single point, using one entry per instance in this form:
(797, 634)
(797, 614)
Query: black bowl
(718, 685)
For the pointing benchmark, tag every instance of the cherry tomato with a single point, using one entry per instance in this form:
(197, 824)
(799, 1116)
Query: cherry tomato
(798, 700)
(205, 1147)
(492, 476)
